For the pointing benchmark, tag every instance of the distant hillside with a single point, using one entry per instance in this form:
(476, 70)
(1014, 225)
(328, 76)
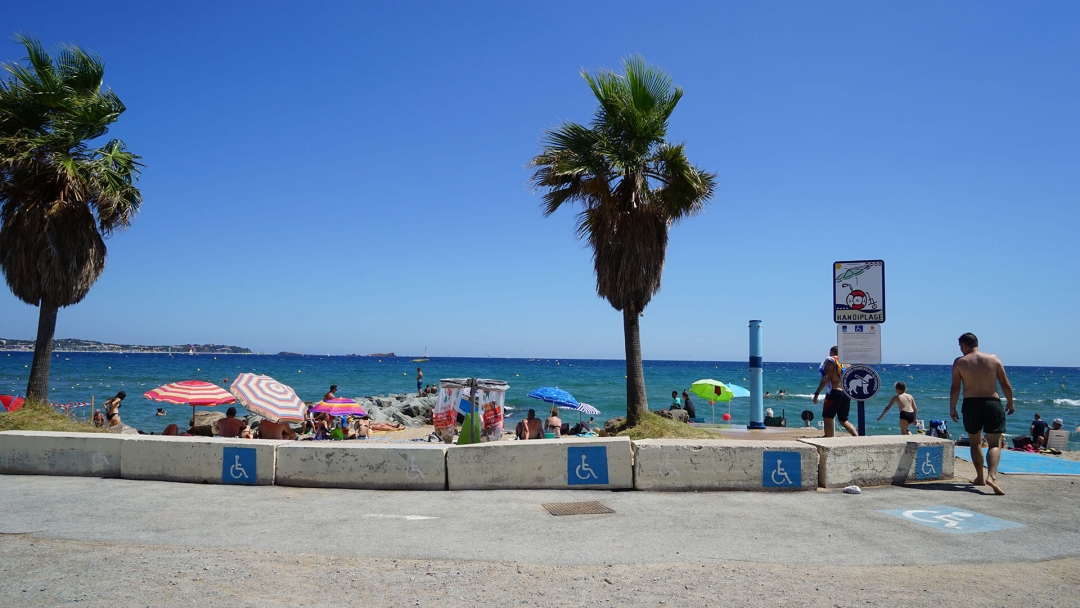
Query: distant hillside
(90, 346)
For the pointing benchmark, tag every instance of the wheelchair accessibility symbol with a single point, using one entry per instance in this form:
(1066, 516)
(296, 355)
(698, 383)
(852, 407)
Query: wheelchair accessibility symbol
(953, 520)
(586, 466)
(781, 470)
(413, 471)
(928, 461)
(238, 465)
(99, 459)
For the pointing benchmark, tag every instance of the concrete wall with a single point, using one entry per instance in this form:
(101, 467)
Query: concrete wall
(691, 464)
(882, 460)
(542, 464)
(199, 459)
(362, 465)
(48, 453)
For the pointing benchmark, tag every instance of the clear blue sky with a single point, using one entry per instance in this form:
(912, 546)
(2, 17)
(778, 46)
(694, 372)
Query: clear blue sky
(352, 178)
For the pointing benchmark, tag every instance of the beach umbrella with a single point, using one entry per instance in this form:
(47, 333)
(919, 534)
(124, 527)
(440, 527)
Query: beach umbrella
(713, 391)
(11, 403)
(737, 391)
(554, 395)
(581, 408)
(339, 407)
(268, 398)
(192, 392)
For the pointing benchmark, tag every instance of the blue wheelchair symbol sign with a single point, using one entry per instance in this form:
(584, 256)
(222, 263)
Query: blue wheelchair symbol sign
(781, 470)
(238, 465)
(928, 462)
(586, 466)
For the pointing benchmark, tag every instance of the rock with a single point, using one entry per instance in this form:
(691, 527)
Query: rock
(610, 429)
(676, 415)
(202, 430)
(208, 418)
(405, 420)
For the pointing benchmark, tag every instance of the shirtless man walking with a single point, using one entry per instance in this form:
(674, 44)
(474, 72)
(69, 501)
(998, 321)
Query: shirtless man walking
(837, 403)
(980, 373)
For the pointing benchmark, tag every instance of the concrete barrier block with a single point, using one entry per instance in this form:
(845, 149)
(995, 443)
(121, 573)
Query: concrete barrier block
(48, 453)
(882, 460)
(362, 465)
(710, 464)
(565, 463)
(199, 459)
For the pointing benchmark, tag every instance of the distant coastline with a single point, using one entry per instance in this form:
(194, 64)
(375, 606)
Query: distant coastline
(74, 345)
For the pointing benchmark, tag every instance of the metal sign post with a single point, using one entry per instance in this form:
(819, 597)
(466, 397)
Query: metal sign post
(858, 306)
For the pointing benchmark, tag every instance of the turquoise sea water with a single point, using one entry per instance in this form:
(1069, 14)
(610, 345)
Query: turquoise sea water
(1051, 391)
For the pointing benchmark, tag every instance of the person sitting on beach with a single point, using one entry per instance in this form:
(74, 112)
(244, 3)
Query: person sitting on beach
(171, 430)
(229, 426)
(330, 393)
(676, 403)
(246, 432)
(160, 411)
(906, 404)
(361, 428)
(1038, 431)
(112, 408)
(275, 430)
(99, 419)
(688, 405)
(554, 423)
(322, 427)
(530, 428)
(309, 421)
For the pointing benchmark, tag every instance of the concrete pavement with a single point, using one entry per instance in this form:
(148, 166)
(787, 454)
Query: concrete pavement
(511, 526)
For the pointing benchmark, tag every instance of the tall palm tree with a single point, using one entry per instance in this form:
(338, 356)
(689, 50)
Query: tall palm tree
(631, 185)
(59, 198)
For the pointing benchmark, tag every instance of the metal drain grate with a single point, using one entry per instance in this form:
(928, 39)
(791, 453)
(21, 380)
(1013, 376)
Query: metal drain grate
(591, 507)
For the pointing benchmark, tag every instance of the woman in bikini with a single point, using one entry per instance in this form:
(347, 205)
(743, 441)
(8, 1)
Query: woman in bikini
(554, 423)
(112, 408)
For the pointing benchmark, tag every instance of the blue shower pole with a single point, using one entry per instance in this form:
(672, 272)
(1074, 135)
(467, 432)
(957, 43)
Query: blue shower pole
(757, 397)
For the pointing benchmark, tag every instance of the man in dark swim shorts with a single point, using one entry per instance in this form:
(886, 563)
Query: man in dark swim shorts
(837, 404)
(980, 373)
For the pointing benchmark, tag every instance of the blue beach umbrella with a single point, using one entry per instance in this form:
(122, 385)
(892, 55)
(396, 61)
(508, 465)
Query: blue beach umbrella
(555, 396)
(737, 391)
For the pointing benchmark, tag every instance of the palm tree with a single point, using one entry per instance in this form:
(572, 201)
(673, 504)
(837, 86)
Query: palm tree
(632, 185)
(59, 198)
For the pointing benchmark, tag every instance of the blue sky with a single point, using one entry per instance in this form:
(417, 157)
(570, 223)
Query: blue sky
(337, 178)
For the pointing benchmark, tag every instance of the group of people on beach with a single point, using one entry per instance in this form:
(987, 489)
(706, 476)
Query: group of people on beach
(683, 403)
(975, 374)
(552, 427)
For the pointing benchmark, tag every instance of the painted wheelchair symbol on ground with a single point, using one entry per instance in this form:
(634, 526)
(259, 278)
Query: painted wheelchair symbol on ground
(953, 520)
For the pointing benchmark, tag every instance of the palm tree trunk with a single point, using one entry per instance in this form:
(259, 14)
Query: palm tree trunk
(636, 401)
(38, 387)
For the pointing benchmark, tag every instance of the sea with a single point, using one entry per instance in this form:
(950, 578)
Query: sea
(1053, 392)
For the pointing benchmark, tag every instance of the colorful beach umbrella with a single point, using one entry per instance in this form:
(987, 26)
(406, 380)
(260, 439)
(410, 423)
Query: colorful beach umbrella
(12, 403)
(339, 407)
(192, 392)
(554, 395)
(713, 391)
(581, 408)
(268, 398)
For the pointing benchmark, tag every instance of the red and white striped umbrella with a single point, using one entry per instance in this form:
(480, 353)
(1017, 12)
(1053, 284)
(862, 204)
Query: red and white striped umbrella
(268, 398)
(192, 392)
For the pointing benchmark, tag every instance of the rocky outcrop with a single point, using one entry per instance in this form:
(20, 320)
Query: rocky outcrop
(409, 410)
(676, 415)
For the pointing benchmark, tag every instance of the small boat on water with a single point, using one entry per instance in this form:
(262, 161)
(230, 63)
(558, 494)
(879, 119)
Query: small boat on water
(422, 359)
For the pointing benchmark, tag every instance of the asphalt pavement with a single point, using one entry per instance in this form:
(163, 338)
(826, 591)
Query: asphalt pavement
(921, 524)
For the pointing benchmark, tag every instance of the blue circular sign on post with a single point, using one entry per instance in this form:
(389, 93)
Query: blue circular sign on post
(860, 382)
